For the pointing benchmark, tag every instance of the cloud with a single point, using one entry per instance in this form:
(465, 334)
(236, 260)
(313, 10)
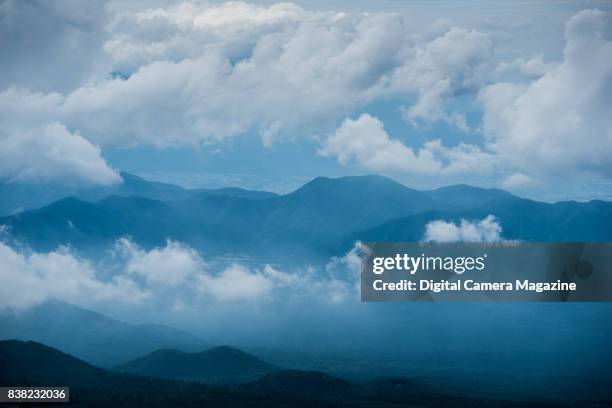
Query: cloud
(485, 230)
(63, 42)
(241, 283)
(452, 63)
(366, 142)
(558, 124)
(555, 125)
(518, 180)
(533, 67)
(172, 277)
(198, 73)
(50, 152)
(171, 265)
(185, 30)
(29, 279)
(235, 283)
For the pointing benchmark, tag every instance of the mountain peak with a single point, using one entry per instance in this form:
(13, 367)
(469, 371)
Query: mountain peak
(354, 184)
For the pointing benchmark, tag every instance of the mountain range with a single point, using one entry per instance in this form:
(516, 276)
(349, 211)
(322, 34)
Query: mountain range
(321, 218)
(35, 364)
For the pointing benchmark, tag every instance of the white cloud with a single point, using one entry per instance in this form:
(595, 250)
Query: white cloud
(485, 230)
(517, 180)
(345, 276)
(172, 277)
(29, 279)
(555, 125)
(533, 67)
(451, 63)
(49, 152)
(366, 142)
(171, 265)
(185, 30)
(559, 124)
(197, 73)
(235, 283)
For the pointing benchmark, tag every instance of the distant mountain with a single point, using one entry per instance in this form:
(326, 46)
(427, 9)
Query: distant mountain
(91, 336)
(316, 220)
(227, 220)
(520, 219)
(16, 197)
(218, 365)
(34, 364)
(464, 197)
(236, 192)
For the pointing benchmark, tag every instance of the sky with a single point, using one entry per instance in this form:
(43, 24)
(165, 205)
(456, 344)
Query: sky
(266, 95)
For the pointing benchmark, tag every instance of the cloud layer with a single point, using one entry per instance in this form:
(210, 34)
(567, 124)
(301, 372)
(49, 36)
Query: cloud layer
(174, 274)
(198, 73)
(30, 278)
(560, 123)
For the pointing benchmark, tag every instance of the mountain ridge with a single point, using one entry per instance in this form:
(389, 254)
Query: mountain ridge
(36, 364)
(308, 223)
(216, 365)
(99, 339)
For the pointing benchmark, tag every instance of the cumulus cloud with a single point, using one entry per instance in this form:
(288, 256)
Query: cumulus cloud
(185, 30)
(32, 278)
(366, 142)
(171, 265)
(485, 230)
(453, 62)
(532, 67)
(50, 152)
(558, 124)
(241, 283)
(235, 283)
(172, 277)
(197, 73)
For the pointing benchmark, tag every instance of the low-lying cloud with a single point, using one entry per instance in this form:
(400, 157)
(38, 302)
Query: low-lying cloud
(174, 274)
(30, 278)
(486, 230)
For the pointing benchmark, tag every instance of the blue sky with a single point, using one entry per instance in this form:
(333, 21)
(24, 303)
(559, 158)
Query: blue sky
(265, 95)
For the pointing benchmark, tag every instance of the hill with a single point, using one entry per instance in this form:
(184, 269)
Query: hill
(218, 365)
(91, 336)
(35, 364)
(303, 383)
